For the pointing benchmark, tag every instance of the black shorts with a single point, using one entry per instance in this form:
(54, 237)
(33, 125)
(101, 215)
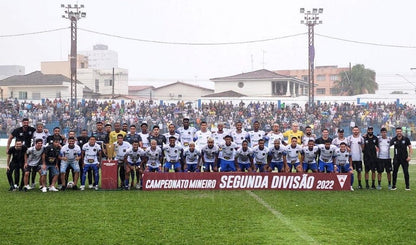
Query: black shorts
(32, 168)
(384, 164)
(370, 164)
(358, 166)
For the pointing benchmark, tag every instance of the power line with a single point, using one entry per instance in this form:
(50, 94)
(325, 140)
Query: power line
(366, 43)
(33, 33)
(191, 43)
(208, 43)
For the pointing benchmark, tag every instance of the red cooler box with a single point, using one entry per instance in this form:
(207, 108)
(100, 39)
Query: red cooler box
(109, 176)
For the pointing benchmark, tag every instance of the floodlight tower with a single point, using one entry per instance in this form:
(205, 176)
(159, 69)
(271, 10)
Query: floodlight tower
(73, 13)
(311, 18)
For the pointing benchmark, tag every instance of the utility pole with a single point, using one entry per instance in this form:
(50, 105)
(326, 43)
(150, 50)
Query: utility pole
(311, 18)
(73, 13)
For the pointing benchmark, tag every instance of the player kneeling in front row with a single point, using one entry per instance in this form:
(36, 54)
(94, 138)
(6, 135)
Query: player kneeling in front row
(50, 162)
(191, 157)
(173, 155)
(70, 155)
(133, 162)
(32, 160)
(276, 157)
(91, 153)
(326, 154)
(308, 157)
(291, 156)
(226, 155)
(153, 158)
(260, 155)
(343, 161)
(244, 158)
(209, 156)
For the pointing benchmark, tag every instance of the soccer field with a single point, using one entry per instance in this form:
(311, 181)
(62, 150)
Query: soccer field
(209, 217)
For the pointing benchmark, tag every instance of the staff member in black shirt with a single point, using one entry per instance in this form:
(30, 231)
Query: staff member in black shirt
(370, 156)
(23, 133)
(401, 157)
(15, 161)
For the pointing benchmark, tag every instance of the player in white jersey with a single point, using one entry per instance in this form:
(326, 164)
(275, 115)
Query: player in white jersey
(326, 154)
(32, 161)
(276, 156)
(219, 135)
(338, 140)
(186, 133)
(120, 149)
(172, 132)
(255, 135)
(308, 136)
(309, 155)
(260, 156)
(70, 155)
(173, 155)
(201, 136)
(209, 156)
(226, 155)
(291, 156)
(191, 157)
(133, 163)
(356, 145)
(244, 158)
(239, 135)
(274, 135)
(343, 161)
(153, 157)
(144, 134)
(91, 153)
(40, 133)
(384, 159)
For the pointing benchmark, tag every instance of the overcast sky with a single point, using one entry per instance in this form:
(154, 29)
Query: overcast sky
(213, 21)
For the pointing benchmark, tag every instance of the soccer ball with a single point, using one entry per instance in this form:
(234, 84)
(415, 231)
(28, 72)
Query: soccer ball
(70, 184)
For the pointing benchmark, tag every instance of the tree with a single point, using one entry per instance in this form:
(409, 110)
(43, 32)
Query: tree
(358, 80)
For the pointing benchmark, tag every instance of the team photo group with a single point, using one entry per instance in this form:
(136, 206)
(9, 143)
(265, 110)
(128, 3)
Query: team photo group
(59, 162)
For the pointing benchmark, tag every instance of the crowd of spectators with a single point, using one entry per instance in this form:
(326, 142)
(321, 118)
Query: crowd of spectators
(332, 116)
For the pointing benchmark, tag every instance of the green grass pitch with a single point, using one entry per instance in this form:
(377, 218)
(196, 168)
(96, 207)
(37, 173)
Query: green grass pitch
(209, 217)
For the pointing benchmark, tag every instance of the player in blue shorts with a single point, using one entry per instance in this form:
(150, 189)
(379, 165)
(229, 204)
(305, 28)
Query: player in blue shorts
(260, 156)
(291, 156)
(91, 153)
(173, 156)
(191, 157)
(244, 158)
(276, 157)
(326, 154)
(209, 156)
(153, 157)
(133, 163)
(227, 155)
(308, 157)
(343, 161)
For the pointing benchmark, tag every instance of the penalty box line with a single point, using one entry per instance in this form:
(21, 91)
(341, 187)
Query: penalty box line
(282, 218)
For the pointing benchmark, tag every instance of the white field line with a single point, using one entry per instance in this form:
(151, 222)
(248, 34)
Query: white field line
(302, 234)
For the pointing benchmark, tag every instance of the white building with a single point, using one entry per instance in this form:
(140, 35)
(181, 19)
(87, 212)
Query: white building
(180, 91)
(261, 83)
(100, 81)
(36, 86)
(101, 57)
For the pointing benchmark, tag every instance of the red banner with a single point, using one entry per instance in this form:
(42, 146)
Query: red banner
(246, 181)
